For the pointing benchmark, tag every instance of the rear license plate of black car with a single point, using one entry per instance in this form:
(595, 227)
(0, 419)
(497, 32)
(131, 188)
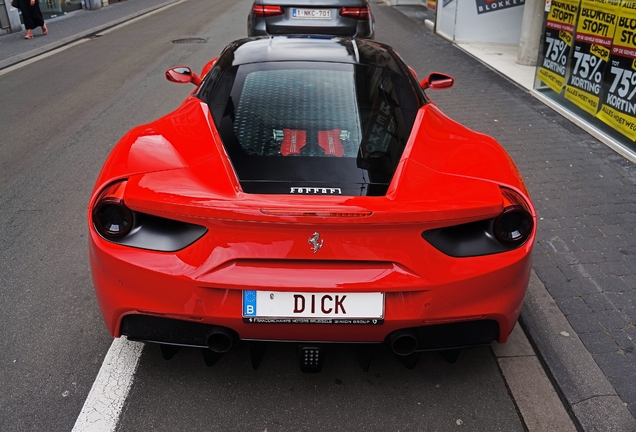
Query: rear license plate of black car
(311, 14)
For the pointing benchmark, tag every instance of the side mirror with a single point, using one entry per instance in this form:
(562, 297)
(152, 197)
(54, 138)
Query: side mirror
(182, 75)
(437, 81)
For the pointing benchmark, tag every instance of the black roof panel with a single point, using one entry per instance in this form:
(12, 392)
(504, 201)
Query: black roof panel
(309, 48)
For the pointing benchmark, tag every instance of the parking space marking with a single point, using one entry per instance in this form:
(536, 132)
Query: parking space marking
(105, 401)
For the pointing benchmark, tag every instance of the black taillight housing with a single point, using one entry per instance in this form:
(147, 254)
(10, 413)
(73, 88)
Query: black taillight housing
(514, 225)
(504, 232)
(117, 223)
(111, 218)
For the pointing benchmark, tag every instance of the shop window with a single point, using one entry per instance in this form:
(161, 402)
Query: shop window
(587, 64)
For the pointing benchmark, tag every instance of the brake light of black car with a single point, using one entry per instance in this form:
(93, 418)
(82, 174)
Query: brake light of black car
(360, 13)
(111, 217)
(262, 11)
(514, 225)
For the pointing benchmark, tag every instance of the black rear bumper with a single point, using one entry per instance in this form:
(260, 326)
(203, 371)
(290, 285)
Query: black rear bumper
(193, 334)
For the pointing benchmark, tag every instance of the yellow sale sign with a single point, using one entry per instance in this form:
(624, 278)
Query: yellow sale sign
(559, 31)
(618, 106)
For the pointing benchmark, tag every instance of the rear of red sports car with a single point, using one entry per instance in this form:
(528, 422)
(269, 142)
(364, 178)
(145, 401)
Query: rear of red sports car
(310, 198)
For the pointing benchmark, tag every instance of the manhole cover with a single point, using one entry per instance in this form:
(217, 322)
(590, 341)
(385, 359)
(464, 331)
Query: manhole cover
(189, 40)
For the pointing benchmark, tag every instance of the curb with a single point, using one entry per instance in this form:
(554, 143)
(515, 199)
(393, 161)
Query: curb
(533, 392)
(588, 395)
(10, 61)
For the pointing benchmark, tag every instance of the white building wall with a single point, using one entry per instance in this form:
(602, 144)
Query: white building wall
(458, 21)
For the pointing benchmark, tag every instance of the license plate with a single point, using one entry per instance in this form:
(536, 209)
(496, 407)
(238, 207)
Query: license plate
(313, 308)
(311, 14)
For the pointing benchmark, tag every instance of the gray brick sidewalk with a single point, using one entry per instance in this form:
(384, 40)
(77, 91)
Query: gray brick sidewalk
(584, 194)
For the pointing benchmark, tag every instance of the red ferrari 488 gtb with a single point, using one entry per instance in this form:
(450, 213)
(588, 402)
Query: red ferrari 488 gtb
(308, 191)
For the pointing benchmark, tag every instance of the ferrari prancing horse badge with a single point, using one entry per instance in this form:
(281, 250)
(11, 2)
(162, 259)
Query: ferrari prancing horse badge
(315, 244)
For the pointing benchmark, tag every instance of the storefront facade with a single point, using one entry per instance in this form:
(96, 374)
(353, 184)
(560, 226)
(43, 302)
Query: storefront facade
(587, 64)
(11, 19)
(481, 21)
(55, 8)
(586, 61)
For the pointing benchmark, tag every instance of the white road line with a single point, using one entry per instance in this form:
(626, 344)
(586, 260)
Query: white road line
(105, 401)
(40, 57)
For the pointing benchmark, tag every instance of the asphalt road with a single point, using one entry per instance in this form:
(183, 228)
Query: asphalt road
(67, 112)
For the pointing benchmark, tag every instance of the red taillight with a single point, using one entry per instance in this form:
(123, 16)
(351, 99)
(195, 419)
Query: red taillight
(262, 11)
(360, 13)
(512, 198)
(514, 225)
(111, 217)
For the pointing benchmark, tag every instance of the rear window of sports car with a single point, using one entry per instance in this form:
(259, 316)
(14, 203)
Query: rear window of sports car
(290, 126)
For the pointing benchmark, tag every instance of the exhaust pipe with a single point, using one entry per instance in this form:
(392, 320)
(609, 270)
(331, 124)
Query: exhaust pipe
(403, 342)
(222, 339)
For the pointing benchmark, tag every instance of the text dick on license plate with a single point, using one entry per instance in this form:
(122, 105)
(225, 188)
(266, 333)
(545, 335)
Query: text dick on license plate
(313, 308)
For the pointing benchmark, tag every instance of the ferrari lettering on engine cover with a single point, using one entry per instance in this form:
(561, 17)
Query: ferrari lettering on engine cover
(315, 190)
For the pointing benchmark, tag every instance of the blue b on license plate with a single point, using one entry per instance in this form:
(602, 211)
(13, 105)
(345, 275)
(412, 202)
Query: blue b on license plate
(290, 307)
